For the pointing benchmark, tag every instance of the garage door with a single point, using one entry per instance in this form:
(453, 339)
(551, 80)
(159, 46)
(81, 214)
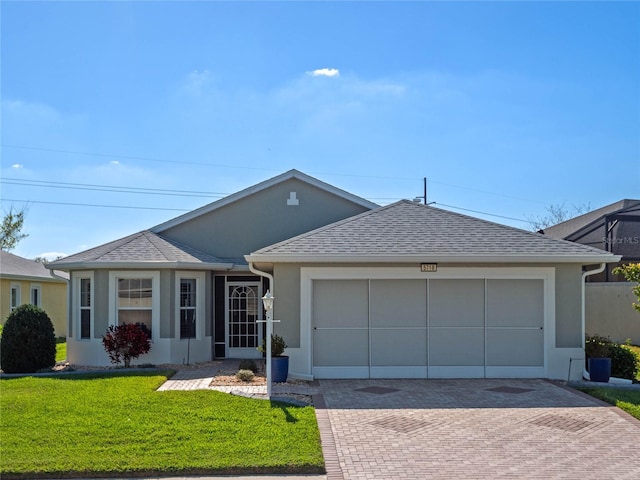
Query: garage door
(449, 328)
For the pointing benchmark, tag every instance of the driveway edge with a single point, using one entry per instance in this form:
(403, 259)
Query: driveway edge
(327, 440)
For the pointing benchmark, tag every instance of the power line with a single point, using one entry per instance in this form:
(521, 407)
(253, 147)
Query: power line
(482, 213)
(98, 206)
(111, 188)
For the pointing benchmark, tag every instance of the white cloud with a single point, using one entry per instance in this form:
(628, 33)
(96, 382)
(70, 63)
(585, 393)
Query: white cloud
(324, 72)
(17, 166)
(196, 81)
(114, 162)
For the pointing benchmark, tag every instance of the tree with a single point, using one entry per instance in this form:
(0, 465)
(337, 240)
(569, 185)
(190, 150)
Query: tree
(11, 227)
(557, 213)
(631, 272)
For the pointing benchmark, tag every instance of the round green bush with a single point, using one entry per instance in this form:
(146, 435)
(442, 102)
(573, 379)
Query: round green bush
(623, 362)
(28, 342)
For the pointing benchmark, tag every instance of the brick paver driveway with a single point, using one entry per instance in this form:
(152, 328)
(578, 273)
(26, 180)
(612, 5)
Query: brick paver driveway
(475, 429)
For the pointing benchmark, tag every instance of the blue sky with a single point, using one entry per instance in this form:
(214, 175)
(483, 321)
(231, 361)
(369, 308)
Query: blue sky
(506, 107)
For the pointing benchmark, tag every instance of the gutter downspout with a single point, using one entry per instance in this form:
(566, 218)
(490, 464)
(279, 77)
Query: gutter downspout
(263, 274)
(586, 274)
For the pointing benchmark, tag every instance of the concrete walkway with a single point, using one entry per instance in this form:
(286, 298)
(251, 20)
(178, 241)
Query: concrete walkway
(472, 429)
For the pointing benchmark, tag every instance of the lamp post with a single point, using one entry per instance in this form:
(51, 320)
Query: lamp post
(267, 301)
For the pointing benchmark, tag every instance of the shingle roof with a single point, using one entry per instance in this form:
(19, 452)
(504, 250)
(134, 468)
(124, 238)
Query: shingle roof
(406, 230)
(572, 226)
(139, 249)
(13, 266)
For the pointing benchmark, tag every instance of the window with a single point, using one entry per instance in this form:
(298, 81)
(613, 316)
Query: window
(187, 308)
(85, 308)
(36, 295)
(15, 296)
(189, 305)
(134, 298)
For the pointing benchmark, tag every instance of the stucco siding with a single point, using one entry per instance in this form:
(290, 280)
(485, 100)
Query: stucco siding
(167, 304)
(53, 300)
(101, 303)
(286, 307)
(262, 219)
(568, 306)
(609, 311)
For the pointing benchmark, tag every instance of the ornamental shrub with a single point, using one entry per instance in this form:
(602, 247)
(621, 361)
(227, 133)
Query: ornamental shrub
(126, 341)
(28, 342)
(245, 375)
(623, 362)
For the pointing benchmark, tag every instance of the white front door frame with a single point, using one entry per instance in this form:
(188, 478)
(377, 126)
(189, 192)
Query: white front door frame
(242, 352)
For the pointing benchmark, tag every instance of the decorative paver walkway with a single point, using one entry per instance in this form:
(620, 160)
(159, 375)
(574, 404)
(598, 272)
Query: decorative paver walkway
(454, 429)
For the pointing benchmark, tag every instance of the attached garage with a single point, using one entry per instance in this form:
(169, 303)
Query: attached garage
(376, 327)
(412, 291)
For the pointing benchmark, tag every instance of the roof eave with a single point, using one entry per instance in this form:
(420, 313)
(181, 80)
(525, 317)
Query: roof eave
(33, 278)
(143, 265)
(582, 259)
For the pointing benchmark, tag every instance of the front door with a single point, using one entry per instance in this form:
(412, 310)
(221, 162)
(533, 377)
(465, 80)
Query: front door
(243, 309)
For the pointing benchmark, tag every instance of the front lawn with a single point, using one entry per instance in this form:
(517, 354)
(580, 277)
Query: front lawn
(88, 425)
(61, 351)
(627, 400)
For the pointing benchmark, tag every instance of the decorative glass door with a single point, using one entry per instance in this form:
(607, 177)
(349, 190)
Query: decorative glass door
(244, 307)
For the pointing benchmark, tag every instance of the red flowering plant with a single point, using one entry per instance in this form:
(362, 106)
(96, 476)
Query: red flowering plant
(126, 341)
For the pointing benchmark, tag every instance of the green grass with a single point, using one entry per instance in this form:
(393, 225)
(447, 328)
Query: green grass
(627, 400)
(61, 351)
(88, 425)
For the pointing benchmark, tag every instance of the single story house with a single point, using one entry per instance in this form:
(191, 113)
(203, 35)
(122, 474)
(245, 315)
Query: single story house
(404, 290)
(27, 281)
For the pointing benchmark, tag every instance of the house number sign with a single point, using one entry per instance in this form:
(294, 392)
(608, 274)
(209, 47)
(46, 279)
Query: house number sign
(428, 267)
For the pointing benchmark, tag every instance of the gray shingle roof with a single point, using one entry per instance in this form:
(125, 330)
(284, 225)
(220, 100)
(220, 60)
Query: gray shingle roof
(572, 226)
(13, 266)
(139, 249)
(406, 230)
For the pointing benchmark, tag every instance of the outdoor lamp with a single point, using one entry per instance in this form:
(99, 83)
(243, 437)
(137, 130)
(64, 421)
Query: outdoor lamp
(267, 301)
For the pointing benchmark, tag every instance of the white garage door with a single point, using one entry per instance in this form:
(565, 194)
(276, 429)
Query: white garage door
(450, 328)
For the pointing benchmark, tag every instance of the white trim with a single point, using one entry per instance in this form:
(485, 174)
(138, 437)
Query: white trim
(18, 289)
(200, 303)
(38, 288)
(398, 372)
(309, 274)
(457, 372)
(155, 294)
(241, 352)
(76, 283)
(443, 258)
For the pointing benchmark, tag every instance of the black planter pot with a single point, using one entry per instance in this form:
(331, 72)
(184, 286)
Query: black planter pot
(599, 369)
(279, 369)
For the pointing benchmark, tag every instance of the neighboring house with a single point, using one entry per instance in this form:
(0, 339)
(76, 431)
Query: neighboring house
(614, 228)
(404, 290)
(26, 281)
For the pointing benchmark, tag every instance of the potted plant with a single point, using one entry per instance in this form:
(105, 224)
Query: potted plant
(597, 350)
(279, 361)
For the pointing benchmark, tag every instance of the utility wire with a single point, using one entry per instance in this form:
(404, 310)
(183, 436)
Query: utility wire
(482, 213)
(111, 188)
(98, 206)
